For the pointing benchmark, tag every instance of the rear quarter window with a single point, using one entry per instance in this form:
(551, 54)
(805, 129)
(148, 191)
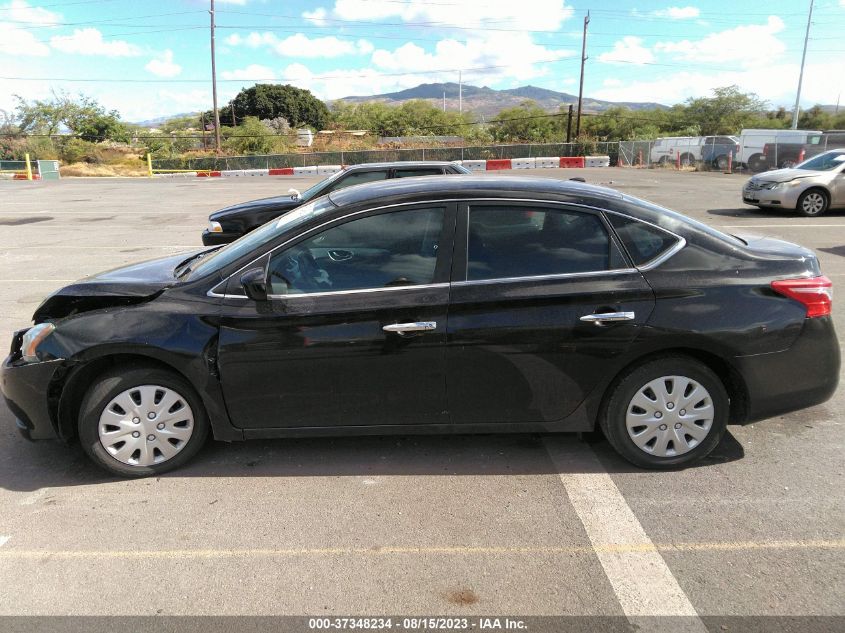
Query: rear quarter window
(643, 242)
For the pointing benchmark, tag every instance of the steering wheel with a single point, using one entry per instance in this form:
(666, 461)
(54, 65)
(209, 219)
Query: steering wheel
(302, 272)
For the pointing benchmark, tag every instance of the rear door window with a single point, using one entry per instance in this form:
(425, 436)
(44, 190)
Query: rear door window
(522, 241)
(358, 178)
(644, 242)
(409, 173)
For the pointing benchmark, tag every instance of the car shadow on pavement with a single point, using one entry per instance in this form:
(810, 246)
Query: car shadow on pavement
(752, 212)
(30, 466)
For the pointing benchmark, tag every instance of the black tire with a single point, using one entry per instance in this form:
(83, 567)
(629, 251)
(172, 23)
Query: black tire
(612, 417)
(757, 163)
(722, 162)
(687, 160)
(806, 206)
(115, 382)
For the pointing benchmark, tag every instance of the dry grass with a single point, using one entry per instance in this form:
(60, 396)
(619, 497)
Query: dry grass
(135, 168)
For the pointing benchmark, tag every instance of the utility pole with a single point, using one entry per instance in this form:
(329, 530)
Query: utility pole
(801, 74)
(214, 84)
(569, 124)
(460, 93)
(581, 86)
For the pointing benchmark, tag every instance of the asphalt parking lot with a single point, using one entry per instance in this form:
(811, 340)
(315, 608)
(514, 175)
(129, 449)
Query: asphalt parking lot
(498, 524)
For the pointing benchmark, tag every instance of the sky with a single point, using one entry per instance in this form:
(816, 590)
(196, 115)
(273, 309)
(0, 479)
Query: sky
(152, 58)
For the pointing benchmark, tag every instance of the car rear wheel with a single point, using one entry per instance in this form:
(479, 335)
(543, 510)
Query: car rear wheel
(141, 421)
(813, 202)
(757, 163)
(722, 162)
(666, 413)
(687, 160)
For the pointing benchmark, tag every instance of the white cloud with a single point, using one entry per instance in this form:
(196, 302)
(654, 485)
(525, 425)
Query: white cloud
(775, 83)
(678, 13)
(317, 16)
(21, 41)
(539, 15)
(510, 56)
(745, 45)
(89, 41)
(237, 2)
(301, 45)
(628, 50)
(163, 65)
(255, 72)
(611, 82)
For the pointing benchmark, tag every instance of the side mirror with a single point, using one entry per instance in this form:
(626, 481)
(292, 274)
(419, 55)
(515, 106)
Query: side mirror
(294, 194)
(254, 282)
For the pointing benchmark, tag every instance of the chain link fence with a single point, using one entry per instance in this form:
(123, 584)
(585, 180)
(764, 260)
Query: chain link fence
(481, 152)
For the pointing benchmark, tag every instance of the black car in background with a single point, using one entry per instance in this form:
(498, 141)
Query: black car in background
(434, 305)
(227, 225)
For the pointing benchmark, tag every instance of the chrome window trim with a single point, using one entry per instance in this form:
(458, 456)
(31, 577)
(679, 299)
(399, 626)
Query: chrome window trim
(648, 266)
(561, 276)
(305, 295)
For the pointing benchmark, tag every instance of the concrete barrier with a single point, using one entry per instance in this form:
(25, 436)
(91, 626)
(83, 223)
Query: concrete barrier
(328, 169)
(209, 174)
(597, 161)
(523, 163)
(547, 162)
(475, 165)
(305, 171)
(494, 164)
(571, 161)
(281, 171)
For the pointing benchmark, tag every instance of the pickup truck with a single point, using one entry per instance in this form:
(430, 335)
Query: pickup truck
(782, 155)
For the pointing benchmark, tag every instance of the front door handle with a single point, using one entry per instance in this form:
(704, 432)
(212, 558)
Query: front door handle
(608, 317)
(404, 328)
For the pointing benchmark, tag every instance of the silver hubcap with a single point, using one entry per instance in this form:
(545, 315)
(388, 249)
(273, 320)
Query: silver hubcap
(146, 425)
(813, 203)
(669, 416)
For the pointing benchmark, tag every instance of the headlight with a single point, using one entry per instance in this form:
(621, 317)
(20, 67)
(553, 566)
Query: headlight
(214, 227)
(33, 337)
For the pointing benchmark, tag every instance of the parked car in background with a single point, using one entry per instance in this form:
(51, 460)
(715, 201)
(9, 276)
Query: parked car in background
(439, 304)
(668, 149)
(230, 223)
(811, 187)
(715, 151)
(789, 154)
(752, 151)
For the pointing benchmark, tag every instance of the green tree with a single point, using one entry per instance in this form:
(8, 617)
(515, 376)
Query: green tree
(268, 101)
(250, 137)
(527, 122)
(82, 116)
(726, 112)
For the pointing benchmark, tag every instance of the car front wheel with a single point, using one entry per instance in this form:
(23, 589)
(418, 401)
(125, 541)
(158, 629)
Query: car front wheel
(813, 202)
(666, 413)
(136, 422)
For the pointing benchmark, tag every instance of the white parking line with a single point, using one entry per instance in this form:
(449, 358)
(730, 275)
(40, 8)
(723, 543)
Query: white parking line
(778, 226)
(4, 540)
(643, 583)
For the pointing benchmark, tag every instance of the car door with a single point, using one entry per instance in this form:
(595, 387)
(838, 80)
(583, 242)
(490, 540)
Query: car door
(543, 298)
(353, 332)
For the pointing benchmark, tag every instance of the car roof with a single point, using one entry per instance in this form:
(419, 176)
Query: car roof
(467, 186)
(401, 163)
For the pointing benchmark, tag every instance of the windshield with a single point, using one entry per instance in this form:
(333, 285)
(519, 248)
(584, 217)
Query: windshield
(260, 236)
(314, 190)
(823, 162)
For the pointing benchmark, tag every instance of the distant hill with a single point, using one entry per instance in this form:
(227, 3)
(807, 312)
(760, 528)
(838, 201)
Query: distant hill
(163, 119)
(489, 102)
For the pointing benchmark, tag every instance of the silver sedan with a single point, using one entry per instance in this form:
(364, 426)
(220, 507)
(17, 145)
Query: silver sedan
(811, 187)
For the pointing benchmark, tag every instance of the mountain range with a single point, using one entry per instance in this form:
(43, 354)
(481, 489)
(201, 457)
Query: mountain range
(488, 102)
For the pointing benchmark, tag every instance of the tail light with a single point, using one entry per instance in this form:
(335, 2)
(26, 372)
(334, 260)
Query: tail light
(816, 293)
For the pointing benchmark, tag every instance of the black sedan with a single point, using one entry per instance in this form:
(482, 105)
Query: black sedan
(227, 225)
(434, 305)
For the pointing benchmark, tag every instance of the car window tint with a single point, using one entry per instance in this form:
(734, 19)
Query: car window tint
(408, 173)
(358, 178)
(523, 242)
(390, 249)
(643, 241)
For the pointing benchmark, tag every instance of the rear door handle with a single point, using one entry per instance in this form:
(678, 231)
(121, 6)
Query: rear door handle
(405, 328)
(608, 317)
